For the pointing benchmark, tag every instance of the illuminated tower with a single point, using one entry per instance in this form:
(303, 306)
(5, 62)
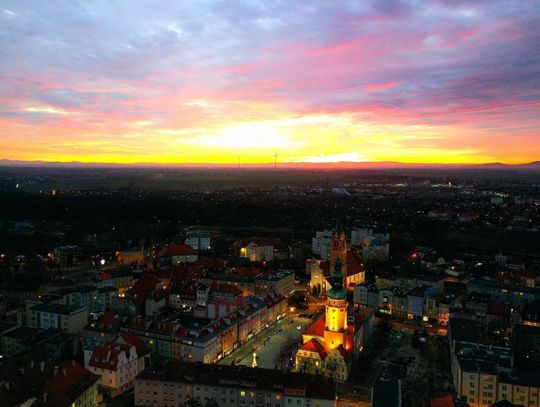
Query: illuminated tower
(339, 250)
(336, 310)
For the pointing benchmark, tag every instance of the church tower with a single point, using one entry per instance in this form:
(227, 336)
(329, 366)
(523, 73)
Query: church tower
(336, 311)
(339, 250)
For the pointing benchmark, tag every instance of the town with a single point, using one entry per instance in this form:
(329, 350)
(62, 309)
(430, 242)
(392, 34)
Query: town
(350, 289)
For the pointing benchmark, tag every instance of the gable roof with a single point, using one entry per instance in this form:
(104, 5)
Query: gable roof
(314, 346)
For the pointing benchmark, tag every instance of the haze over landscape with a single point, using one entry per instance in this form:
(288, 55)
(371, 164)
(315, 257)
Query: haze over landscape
(223, 82)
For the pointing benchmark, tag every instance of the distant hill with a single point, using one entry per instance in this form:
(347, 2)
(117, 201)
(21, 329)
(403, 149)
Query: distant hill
(535, 165)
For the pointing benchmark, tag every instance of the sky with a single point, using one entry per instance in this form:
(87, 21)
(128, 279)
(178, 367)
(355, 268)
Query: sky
(439, 81)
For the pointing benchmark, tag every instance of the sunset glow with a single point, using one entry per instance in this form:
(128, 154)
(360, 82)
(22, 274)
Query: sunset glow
(217, 82)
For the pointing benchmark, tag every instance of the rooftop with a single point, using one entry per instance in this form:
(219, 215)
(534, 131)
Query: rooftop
(56, 308)
(240, 376)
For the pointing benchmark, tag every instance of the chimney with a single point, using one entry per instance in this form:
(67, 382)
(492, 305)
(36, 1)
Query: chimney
(32, 364)
(42, 366)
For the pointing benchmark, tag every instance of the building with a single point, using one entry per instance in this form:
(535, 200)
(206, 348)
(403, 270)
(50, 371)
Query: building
(177, 253)
(118, 362)
(18, 343)
(375, 246)
(218, 301)
(174, 383)
(255, 252)
(66, 384)
(484, 374)
(120, 278)
(199, 241)
(507, 293)
(321, 243)
(184, 336)
(329, 352)
(66, 318)
(280, 282)
(352, 267)
(416, 302)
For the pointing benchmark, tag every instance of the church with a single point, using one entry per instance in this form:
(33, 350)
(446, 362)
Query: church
(351, 265)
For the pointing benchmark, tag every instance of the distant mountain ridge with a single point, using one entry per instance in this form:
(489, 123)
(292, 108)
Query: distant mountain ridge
(534, 165)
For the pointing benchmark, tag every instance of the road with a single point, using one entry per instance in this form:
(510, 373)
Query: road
(267, 349)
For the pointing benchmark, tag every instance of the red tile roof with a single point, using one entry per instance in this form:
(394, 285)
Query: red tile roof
(108, 355)
(134, 340)
(66, 386)
(444, 401)
(313, 345)
(354, 264)
(177, 249)
(317, 327)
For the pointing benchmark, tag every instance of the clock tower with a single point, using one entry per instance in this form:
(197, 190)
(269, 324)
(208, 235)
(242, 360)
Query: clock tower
(335, 330)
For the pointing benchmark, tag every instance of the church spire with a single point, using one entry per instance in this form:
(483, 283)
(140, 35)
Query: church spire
(339, 228)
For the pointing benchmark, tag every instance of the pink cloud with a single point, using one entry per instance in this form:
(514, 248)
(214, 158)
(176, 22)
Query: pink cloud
(378, 87)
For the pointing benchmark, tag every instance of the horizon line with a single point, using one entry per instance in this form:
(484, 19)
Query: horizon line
(8, 162)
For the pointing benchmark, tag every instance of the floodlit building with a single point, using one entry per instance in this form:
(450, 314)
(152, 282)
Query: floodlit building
(328, 343)
(351, 266)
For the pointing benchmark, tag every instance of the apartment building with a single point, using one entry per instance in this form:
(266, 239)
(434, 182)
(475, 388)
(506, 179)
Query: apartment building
(66, 318)
(173, 383)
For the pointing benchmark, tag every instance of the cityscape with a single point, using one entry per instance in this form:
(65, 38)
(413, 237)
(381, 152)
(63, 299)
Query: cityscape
(270, 204)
